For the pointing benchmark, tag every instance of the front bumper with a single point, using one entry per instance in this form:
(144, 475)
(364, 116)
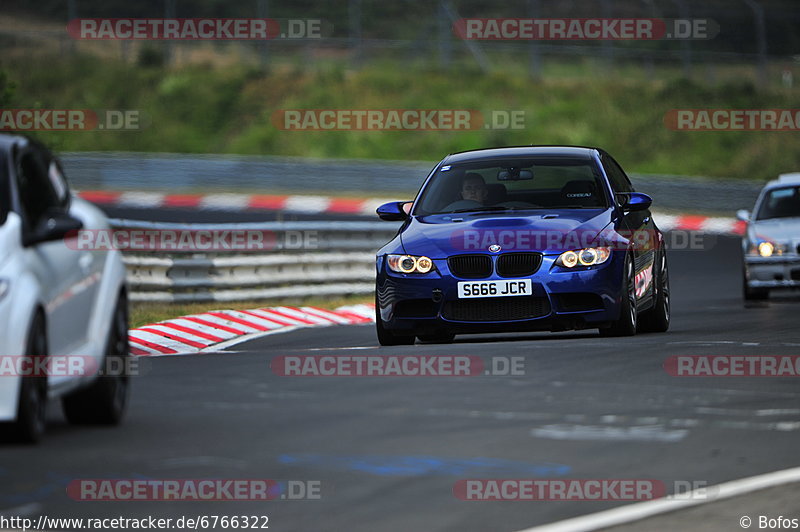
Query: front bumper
(773, 272)
(562, 300)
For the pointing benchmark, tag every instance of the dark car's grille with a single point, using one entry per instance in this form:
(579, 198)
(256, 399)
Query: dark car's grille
(518, 264)
(496, 308)
(470, 266)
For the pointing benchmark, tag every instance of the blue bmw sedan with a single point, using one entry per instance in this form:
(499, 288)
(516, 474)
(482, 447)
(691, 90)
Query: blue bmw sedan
(526, 238)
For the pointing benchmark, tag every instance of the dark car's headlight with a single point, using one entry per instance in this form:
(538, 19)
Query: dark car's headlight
(584, 257)
(409, 263)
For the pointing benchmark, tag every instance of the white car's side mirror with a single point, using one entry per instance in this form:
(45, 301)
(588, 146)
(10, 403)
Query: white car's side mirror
(743, 215)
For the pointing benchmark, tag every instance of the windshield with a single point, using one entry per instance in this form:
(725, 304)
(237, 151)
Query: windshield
(518, 184)
(780, 203)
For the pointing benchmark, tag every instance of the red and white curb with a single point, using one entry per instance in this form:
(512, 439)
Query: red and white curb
(695, 222)
(198, 332)
(335, 205)
(236, 202)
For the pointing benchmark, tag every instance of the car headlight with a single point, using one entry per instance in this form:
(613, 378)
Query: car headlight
(584, 257)
(409, 264)
(768, 249)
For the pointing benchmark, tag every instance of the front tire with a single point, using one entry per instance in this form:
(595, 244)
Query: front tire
(628, 316)
(30, 424)
(753, 294)
(386, 337)
(105, 400)
(657, 319)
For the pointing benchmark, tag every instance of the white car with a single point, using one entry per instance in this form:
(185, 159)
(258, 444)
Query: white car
(771, 242)
(57, 302)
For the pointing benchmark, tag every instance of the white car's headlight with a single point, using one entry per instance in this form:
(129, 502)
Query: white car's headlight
(584, 257)
(409, 263)
(768, 249)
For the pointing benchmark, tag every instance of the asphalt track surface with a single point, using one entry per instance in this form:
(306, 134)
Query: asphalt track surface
(388, 451)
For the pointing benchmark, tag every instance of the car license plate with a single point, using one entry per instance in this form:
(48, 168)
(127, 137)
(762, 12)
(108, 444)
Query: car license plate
(513, 287)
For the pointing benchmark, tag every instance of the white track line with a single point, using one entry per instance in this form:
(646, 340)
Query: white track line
(642, 510)
(247, 337)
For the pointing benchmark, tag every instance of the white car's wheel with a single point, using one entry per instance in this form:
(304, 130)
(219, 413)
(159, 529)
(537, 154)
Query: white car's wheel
(30, 424)
(104, 402)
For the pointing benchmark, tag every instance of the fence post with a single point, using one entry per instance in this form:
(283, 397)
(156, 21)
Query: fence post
(263, 45)
(72, 13)
(686, 46)
(607, 45)
(354, 15)
(169, 12)
(445, 45)
(534, 57)
(761, 35)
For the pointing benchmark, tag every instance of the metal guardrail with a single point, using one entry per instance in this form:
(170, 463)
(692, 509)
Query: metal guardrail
(338, 260)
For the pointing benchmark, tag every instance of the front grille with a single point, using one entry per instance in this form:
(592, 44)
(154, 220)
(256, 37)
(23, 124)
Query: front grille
(496, 308)
(470, 266)
(518, 264)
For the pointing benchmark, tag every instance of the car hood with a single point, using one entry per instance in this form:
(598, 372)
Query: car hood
(441, 235)
(780, 230)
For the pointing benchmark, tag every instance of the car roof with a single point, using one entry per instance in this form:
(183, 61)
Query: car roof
(783, 180)
(582, 152)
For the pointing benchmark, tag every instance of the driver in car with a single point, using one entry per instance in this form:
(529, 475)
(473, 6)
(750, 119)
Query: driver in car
(474, 188)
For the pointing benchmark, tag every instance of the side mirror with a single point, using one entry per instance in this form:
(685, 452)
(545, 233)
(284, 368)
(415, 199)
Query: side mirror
(54, 226)
(636, 201)
(743, 215)
(394, 211)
